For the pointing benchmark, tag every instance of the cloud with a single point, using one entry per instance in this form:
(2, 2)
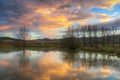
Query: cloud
(4, 27)
(90, 3)
(12, 8)
(50, 15)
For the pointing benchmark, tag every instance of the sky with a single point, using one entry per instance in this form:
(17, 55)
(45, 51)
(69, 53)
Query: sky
(49, 18)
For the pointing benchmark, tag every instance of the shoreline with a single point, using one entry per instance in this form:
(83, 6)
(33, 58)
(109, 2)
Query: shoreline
(106, 49)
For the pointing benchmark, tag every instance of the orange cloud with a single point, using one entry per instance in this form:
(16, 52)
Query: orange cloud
(53, 15)
(43, 11)
(110, 3)
(50, 23)
(104, 18)
(5, 27)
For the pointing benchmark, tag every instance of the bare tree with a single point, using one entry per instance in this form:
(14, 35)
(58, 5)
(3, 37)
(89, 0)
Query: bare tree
(108, 34)
(113, 34)
(83, 34)
(95, 32)
(103, 30)
(69, 41)
(23, 34)
(89, 31)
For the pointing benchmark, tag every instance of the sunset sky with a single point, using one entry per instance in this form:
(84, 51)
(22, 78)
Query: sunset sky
(49, 18)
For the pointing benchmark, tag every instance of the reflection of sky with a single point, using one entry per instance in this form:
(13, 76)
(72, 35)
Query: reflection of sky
(49, 65)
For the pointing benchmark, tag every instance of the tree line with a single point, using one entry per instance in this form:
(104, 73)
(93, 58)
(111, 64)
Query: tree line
(93, 35)
(86, 35)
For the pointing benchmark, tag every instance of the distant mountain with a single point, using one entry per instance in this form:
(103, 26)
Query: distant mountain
(47, 40)
(44, 40)
(6, 38)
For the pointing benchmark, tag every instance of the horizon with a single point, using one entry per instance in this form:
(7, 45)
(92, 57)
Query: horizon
(49, 18)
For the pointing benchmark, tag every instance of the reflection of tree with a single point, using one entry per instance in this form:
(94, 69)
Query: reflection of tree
(70, 56)
(24, 72)
(89, 60)
(24, 58)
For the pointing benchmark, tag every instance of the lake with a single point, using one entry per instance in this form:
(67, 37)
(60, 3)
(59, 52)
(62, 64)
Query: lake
(58, 65)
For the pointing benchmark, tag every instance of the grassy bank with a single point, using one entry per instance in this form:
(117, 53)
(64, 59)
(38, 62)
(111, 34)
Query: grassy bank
(39, 46)
(32, 46)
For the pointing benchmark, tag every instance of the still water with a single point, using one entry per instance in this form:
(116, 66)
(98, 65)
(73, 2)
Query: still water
(58, 65)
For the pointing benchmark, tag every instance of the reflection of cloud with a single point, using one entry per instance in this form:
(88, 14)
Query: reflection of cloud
(106, 72)
(49, 66)
(50, 69)
(60, 71)
(4, 63)
(51, 56)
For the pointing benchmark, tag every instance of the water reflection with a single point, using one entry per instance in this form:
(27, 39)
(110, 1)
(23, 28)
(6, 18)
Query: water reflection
(24, 58)
(70, 56)
(57, 65)
(90, 59)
